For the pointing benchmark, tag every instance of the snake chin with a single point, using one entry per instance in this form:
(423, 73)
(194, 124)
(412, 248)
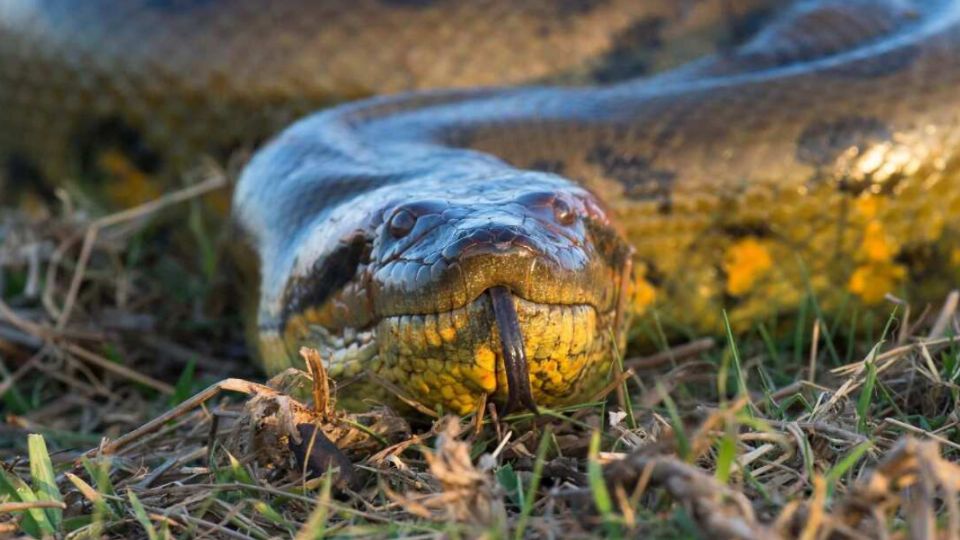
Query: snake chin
(455, 359)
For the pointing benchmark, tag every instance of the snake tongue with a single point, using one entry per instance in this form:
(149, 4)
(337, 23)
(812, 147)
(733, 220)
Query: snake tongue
(514, 358)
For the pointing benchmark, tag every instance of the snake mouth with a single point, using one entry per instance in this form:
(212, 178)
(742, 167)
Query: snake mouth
(515, 364)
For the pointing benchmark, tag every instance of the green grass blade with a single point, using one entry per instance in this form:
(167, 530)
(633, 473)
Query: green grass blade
(735, 352)
(184, 386)
(726, 454)
(315, 527)
(239, 472)
(270, 513)
(683, 442)
(511, 483)
(100, 474)
(866, 393)
(847, 463)
(34, 522)
(627, 403)
(44, 478)
(598, 487)
(140, 513)
(531, 495)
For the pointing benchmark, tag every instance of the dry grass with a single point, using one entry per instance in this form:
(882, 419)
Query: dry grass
(107, 324)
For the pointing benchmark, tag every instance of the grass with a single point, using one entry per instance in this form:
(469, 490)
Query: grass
(739, 440)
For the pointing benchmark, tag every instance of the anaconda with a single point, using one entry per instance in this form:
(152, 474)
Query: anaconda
(456, 245)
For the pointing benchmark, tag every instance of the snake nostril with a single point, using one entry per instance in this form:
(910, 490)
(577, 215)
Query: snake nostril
(402, 223)
(563, 213)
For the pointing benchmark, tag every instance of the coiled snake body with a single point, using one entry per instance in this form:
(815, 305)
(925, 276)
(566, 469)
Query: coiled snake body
(468, 243)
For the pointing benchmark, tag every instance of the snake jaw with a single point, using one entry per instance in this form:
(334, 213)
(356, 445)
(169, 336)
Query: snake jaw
(515, 365)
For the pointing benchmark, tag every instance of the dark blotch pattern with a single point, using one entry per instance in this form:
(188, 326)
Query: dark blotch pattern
(640, 179)
(18, 169)
(823, 144)
(576, 8)
(629, 55)
(546, 165)
(175, 6)
(744, 230)
(816, 30)
(743, 26)
(97, 137)
(22, 175)
(412, 4)
(328, 277)
(653, 274)
(824, 141)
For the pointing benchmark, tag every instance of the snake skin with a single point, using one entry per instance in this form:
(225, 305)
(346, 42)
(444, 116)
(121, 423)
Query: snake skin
(92, 90)
(816, 159)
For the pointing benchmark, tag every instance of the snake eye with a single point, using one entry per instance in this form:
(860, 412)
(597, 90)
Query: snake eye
(563, 213)
(402, 223)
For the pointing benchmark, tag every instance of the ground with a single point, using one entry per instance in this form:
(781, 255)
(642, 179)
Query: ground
(826, 430)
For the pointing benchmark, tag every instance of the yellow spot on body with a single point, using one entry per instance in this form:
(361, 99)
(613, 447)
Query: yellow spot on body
(877, 245)
(485, 359)
(552, 372)
(570, 367)
(644, 294)
(483, 373)
(488, 381)
(955, 257)
(130, 186)
(424, 387)
(867, 206)
(467, 407)
(448, 334)
(744, 263)
(430, 332)
(871, 282)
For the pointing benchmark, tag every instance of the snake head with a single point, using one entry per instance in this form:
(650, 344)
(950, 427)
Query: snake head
(508, 289)
(513, 293)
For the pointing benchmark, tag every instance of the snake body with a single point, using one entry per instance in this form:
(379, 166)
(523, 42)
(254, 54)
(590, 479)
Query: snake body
(437, 242)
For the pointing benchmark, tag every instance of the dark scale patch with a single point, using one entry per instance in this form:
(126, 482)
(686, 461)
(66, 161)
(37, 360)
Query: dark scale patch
(21, 175)
(460, 137)
(744, 230)
(640, 180)
(629, 55)
(554, 166)
(816, 30)
(576, 8)
(177, 5)
(326, 278)
(411, 4)
(924, 262)
(741, 27)
(100, 136)
(653, 274)
(823, 144)
(608, 244)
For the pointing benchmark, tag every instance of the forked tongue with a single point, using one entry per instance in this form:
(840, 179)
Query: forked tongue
(519, 393)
